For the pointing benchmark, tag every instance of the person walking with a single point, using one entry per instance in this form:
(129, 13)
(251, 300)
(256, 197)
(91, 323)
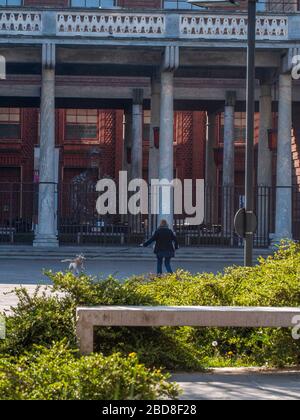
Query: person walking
(165, 245)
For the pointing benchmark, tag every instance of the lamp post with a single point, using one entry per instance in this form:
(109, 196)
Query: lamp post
(245, 220)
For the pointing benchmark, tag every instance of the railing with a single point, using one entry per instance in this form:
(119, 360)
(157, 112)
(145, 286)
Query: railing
(79, 223)
(232, 27)
(18, 212)
(20, 23)
(106, 24)
(160, 24)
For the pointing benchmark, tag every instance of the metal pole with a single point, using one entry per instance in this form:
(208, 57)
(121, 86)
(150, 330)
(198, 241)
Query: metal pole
(249, 175)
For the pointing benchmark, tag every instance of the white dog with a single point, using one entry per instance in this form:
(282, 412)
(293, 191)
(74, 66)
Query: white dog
(77, 265)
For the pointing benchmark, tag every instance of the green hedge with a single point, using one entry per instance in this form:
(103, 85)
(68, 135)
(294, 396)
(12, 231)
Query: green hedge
(59, 373)
(274, 282)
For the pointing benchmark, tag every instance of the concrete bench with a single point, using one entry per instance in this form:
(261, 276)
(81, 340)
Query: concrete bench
(190, 316)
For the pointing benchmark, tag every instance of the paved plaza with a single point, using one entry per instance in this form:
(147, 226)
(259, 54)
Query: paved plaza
(30, 272)
(236, 384)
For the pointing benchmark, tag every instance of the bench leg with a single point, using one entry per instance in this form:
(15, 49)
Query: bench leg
(85, 337)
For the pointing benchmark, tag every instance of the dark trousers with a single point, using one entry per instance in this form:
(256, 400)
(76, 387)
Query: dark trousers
(160, 261)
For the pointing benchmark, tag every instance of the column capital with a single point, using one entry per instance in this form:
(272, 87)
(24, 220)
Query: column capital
(230, 99)
(170, 61)
(287, 61)
(48, 56)
(137, 96)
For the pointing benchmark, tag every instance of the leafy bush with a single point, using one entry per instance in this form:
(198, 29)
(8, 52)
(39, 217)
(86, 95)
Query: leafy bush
(274, 282)
(59, 374)
(39, 320)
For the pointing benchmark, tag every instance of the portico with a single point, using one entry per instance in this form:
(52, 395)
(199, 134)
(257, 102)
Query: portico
(164, 63)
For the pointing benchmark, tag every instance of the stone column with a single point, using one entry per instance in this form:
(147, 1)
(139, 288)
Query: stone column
(210, 169)
(155, 124)
(137, 135)
(264, 173)
(137, 150)
(127, 141)
(166, 160)
(228, 164)
(153, 166)
(46, 234)
(284, 161)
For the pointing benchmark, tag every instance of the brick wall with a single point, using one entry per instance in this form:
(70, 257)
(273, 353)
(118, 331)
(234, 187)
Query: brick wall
(189, 153)
(296, 146)
(29, 140)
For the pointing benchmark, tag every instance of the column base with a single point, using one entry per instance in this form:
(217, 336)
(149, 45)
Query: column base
(277, 238)
(45, 241)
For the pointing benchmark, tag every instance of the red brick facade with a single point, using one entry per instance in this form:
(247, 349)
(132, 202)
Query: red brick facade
(107, 154)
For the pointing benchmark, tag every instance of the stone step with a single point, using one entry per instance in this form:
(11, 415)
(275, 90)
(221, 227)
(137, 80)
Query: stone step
(126, 254)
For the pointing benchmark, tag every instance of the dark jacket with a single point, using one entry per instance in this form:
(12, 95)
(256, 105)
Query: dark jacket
(165, 242)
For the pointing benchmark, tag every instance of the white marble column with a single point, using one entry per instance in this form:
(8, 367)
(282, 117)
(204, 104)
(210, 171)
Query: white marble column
(229, 164)
(210, 169)
(46, 234)
(166, 152)
(284, 161)
(127, 141)
(137, 135)
(264, 171)
(153, 165)
(170, 63)
(137, 150)
(155, 124)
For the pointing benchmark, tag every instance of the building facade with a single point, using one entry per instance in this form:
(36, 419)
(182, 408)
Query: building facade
(155, 88)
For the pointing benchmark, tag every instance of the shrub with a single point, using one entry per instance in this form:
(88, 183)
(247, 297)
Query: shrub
(39, 320)
(274, 282)
(59, 374)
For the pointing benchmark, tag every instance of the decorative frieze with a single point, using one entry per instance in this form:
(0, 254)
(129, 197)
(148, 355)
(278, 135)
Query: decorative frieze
(20, 23)
(105, 24)
(121, 24)
(232, 27)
